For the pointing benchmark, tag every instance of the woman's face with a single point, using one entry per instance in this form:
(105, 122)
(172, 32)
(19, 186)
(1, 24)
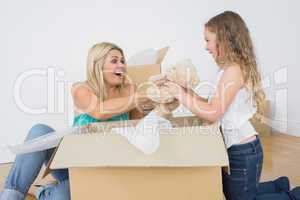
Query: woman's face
(114, 68)
(211, 43)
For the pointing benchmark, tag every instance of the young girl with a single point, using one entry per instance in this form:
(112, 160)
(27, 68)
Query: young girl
(104, 96)
(237, 98)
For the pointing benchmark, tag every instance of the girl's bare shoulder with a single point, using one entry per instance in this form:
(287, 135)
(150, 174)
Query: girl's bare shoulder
(232, 72)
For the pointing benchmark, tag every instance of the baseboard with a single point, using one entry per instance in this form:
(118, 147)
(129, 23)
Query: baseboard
(294, 128)
(279, 126)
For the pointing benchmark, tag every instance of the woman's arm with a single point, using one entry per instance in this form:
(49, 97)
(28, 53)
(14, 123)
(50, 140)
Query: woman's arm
(230, 83)
(86, 101)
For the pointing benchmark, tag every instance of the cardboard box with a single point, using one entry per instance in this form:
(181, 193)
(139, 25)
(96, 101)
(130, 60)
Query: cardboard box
(139, 75)
(104, 165)
(262, 127)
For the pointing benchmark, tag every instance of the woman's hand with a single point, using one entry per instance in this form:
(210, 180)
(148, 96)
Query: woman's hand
(176, 90)
(143, 103)
(147, 107)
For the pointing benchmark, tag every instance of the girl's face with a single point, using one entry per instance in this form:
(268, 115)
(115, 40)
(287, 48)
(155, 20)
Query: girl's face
(114, 68)
(211, 43)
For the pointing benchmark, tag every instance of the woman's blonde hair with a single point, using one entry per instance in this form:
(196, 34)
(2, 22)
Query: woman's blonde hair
(235, 47)
(95, 61)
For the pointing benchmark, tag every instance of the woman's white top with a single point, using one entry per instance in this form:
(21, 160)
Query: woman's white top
(235, 122)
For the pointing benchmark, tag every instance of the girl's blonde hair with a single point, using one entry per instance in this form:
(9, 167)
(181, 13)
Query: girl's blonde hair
(235, 47)
(95, 61)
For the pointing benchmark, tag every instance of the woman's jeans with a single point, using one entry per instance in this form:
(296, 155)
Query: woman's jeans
(27, 167)
(242, 181)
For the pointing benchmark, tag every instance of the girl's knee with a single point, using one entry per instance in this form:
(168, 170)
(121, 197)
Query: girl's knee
(38, 130)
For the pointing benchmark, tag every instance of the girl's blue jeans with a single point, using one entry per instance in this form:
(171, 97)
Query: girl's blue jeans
(242, 183)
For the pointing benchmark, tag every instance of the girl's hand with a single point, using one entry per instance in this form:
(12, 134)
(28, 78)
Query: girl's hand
(160, 82)
(169, 107)
(175, 89)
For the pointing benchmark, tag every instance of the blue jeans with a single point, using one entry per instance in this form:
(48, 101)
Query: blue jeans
(27, 167)
(242, 183)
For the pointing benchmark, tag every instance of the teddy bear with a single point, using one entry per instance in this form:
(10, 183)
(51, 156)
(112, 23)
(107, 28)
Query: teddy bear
(183, 73)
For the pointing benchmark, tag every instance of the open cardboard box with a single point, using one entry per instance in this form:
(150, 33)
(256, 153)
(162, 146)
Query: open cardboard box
(103, 165)
(263, 128)
(138, 74)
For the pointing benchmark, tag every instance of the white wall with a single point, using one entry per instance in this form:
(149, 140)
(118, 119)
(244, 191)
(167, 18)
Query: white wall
(42, 34)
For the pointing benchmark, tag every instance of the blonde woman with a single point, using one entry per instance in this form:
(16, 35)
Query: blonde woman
(237, 98)
(106, 95)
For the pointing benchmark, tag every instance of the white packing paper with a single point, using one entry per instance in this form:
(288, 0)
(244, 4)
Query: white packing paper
(145, 136)
(48, 141)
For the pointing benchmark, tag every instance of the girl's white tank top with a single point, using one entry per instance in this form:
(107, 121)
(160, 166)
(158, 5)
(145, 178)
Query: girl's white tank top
(235, 123)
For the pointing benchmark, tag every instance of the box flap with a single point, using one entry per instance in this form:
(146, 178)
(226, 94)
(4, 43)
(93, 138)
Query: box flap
(185, 145)
(47, 169)
(161, 55)
(139, 74)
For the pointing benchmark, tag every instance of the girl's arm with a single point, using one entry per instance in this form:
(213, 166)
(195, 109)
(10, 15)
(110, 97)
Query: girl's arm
(228, 86)
(87, 102)
(192, 93)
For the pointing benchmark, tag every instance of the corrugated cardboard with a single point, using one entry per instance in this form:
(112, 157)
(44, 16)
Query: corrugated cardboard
(103, 165)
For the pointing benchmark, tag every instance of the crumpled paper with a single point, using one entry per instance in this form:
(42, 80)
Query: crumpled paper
(48, 141)
(145, 136)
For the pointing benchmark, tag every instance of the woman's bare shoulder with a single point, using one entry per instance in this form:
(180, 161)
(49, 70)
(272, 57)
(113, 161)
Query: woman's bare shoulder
(81, 93)
(80, 87)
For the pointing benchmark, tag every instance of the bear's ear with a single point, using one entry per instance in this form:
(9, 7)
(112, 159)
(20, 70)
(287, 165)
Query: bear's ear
(184, 73)
(156, 77)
